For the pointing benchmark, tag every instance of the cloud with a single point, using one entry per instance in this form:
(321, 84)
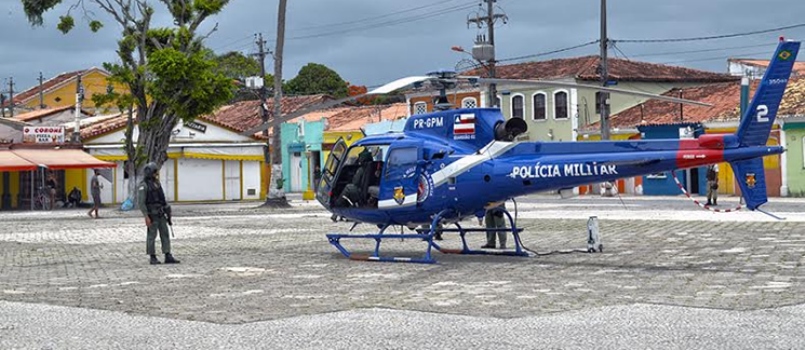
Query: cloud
(370, 42)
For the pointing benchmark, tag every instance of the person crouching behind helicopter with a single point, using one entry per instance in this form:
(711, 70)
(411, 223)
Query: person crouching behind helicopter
(152, 203)
(712, 185)
(494, 219)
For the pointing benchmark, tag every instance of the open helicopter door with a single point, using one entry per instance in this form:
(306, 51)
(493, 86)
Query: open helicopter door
(400, 179)
(331, 166)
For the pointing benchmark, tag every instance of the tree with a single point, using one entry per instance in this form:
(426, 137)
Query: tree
(235, 65)
(315, 78)
(238, 67)
(169, 75)
(355, 90)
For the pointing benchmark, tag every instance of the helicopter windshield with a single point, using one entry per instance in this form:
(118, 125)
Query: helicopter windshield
(378, 153)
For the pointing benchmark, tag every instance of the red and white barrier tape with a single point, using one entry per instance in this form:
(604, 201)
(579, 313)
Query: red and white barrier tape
(705, 207)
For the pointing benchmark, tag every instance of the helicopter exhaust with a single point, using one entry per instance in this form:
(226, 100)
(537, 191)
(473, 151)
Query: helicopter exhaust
(508, 130)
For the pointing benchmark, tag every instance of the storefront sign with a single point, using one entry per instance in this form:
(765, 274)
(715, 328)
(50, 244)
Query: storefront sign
(196, 126)
(43, 134)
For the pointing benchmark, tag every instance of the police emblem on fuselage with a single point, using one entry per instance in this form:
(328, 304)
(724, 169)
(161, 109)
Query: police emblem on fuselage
(399, 196)
(750, 180)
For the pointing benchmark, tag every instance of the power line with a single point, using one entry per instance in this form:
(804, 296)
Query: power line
(550, 52)
(702, 50)
(386, 24)
(719, 57)
(369, 19)
(714, 36)
(234, 42)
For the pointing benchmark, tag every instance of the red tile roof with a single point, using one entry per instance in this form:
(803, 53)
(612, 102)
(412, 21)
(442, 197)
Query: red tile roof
(104, 126)
(244, 115)
(587, 68)
(51, 83)
(799, 67)
(237, 117)
(41, 113)
(725, 98)
(356, 117)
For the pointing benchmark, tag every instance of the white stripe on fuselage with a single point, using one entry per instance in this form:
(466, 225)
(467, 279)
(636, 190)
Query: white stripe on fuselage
(389, 203)
(490, 151)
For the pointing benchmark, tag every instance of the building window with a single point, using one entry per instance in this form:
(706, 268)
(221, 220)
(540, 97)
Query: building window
(420, 108)
(540, 100)
(517, 106)
(560, 105)
(598, 102)
(469, 102)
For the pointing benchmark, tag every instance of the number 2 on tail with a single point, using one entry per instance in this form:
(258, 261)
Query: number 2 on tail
(762, 111)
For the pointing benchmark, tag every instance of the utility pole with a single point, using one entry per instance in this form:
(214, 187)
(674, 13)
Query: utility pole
(261, 54)
(41, 92)
(2, 104)
(79, 98)
(11, 95)
(277, 197)
(603, 103)
(484, 49)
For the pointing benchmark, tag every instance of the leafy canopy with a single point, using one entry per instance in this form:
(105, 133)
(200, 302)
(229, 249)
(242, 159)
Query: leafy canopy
(316, 78)
(168, 72)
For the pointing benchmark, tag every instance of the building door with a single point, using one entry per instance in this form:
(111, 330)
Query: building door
(232, 180)
(296, 172)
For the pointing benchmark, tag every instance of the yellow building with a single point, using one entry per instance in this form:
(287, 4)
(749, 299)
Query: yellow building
(331, 137)
(60, 91)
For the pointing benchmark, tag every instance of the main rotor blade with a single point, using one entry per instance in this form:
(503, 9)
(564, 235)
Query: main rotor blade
(553, 83)
(385, 89)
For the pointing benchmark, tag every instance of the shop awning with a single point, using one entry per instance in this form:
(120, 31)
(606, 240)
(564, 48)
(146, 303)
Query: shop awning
(9, 161)
(59, 159)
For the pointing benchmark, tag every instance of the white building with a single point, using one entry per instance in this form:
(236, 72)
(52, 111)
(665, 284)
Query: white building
(207, 161)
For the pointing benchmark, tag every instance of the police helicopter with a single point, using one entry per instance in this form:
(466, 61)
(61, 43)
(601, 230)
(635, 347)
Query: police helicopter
(453, 164)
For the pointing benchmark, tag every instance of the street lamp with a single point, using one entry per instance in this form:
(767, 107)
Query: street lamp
(481, 52)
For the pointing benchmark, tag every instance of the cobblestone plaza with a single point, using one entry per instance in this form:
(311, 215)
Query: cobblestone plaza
(671, 275)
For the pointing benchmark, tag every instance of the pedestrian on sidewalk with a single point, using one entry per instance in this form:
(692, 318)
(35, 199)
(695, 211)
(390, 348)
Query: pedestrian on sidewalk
(95, 190)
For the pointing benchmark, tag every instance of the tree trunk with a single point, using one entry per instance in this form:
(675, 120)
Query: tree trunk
(131, 154)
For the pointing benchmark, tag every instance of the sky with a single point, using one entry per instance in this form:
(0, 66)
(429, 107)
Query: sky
(370, 42)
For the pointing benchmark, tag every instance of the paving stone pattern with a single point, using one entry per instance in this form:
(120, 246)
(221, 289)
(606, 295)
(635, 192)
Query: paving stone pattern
(241, 264)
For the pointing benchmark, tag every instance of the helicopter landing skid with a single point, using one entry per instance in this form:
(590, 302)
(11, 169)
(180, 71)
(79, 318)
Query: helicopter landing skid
(335, 240)
(465, 249)
(428, 236)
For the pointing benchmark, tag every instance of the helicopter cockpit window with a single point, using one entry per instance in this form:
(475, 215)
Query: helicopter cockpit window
(401, 161)
(333, 160)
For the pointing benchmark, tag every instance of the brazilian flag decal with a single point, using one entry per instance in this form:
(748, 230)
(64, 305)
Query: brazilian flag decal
(785, 55)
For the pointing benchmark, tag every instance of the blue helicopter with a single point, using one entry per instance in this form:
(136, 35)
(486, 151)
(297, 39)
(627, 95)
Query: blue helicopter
(453, 164)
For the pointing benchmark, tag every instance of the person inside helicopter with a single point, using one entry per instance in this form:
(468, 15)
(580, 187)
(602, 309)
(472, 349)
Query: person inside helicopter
(362, 189)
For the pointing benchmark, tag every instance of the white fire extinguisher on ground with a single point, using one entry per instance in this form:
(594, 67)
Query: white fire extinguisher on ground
(593, 236)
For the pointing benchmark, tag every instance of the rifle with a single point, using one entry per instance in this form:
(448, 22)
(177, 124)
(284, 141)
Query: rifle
(169, 216)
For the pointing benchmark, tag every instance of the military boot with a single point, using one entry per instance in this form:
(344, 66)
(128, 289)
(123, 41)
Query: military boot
(154, 260)
(170, 260)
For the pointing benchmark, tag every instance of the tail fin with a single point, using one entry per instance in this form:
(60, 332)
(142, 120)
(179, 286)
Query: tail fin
(752, 181)
(759, 117)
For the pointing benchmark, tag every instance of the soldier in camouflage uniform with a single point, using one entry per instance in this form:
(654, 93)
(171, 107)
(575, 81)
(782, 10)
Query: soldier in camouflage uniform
(157, 212)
